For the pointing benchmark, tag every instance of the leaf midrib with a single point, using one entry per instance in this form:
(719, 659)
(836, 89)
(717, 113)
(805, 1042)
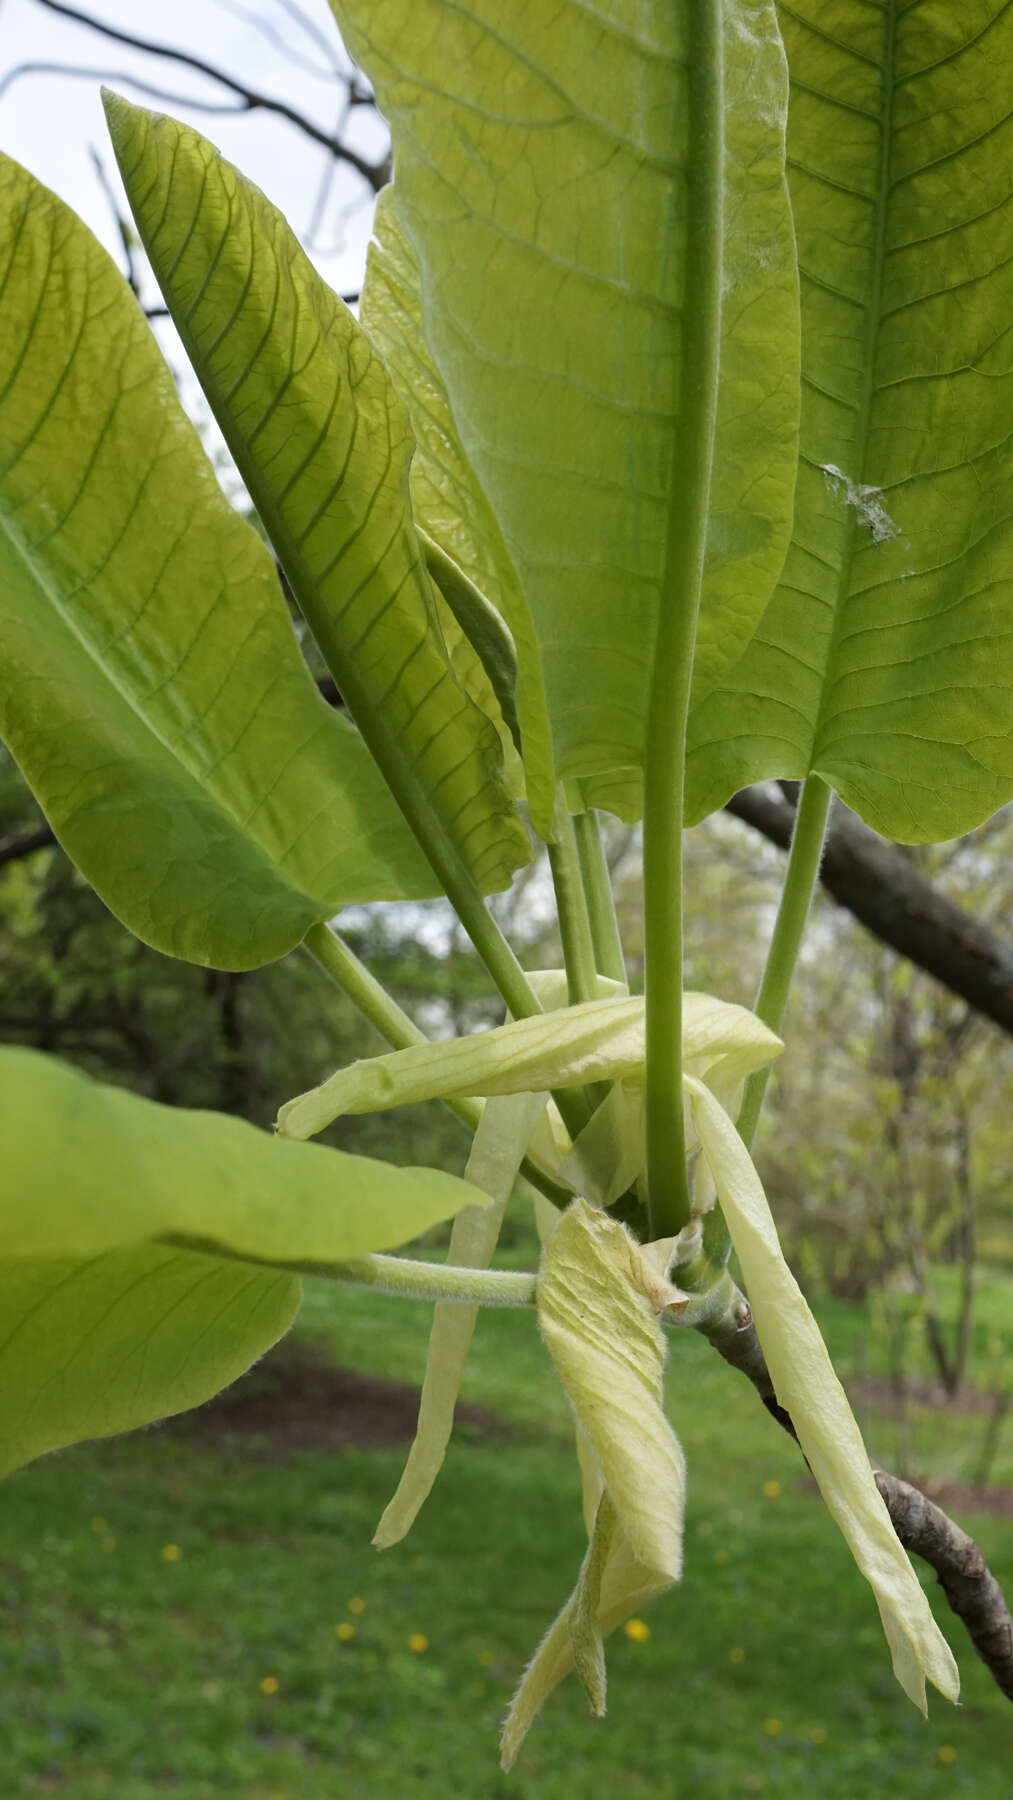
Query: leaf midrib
(867, 394)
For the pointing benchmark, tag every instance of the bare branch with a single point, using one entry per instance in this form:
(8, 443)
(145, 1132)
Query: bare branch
(256, 20)
(12, 849)
(922, 1527)
(964, 1576)
(119, 77)
(249, 99)
(311, 29)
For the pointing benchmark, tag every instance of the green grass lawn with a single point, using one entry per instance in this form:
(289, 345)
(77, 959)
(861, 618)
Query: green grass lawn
(170, 1614)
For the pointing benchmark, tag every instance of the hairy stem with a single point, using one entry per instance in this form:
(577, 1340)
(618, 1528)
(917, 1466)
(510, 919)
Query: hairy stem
(689, 507)
(796, 898)
(437, 1281)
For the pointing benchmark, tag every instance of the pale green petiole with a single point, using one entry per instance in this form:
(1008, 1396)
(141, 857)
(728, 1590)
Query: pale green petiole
(796, 898)
(571, 907)
(608, 948)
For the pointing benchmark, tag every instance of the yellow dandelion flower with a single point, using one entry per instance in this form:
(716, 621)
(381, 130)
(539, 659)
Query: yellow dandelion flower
(270, 1684)
(345, 1632)
(771, 1489)
(773, 1727)
(487, 1658)
(418, 1642)
(722, 1556)
(817, 1735)
(356, 1604)
(736, 1655)
(98, 1525)
(946, 1753)
(171, 1552)
(637, 1630)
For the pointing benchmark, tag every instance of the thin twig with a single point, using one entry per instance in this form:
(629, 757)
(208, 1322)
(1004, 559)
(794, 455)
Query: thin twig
(12, 849)
(251, 99)
(127, 238)
(257, 22)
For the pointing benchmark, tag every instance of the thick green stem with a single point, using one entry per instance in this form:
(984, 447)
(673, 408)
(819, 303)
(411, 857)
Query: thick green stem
(796, 898)
(352, 976)
(571, 907)
(608, 946)
(668, 709)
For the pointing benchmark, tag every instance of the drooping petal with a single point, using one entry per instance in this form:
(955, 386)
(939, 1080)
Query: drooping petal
(808, 1388)
(598, 1302)
(496, 1153)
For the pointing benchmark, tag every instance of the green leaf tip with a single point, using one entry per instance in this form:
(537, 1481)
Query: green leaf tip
(152, 688)
(148, 1253)
(324, 445)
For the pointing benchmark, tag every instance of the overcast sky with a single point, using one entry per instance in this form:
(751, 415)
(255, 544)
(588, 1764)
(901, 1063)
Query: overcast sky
(289, 49)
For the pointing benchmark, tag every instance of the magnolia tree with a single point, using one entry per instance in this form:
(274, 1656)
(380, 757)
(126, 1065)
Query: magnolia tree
(667, 455)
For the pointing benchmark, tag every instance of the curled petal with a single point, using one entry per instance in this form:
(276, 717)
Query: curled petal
(598, 1301)
(601, 1040)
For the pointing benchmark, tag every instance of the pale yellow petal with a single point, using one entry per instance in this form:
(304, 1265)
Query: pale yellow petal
(496, 1153)
(624, 1588)
(603, 1335)
(601, 1040)
(808, 1388)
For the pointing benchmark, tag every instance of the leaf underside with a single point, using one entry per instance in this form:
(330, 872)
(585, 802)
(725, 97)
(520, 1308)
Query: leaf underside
(324, 446)
(884, 661)
(526, 288)
(104, 1344)
(116, 1308)
(152, 688)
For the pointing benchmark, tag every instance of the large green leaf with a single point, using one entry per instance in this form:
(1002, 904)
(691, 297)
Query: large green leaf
(528, 289)
(885, 659)
(151, 685)
(89, 1168)
(92, 1346)
(114, 1307)
(324, 446)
